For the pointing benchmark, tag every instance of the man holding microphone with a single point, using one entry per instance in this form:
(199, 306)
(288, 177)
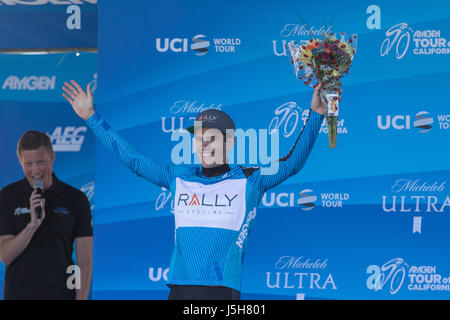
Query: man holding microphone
(40, 218)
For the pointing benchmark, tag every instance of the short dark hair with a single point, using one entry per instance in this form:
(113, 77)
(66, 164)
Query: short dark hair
(32, 140)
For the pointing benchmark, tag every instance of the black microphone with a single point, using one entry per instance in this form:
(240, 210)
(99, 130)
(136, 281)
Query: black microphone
(38, 186)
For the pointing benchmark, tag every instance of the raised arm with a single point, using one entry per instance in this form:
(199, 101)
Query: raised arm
(154, 171)
(294, 161)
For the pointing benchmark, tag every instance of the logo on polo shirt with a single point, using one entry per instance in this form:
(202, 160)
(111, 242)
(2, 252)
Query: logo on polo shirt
(61, 211)
(19, 211)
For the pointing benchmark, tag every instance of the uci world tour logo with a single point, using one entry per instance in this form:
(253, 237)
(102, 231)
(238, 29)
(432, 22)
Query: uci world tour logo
(423, 122)
(307, 200)
(199, 45)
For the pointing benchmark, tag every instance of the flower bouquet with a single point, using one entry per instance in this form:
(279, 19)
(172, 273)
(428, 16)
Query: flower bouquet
(325, 60)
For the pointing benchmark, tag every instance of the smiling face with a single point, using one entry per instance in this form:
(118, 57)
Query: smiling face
(211, 147)
(38, 164)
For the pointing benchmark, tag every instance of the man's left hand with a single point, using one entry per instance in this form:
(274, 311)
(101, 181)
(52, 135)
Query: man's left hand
(316, 102)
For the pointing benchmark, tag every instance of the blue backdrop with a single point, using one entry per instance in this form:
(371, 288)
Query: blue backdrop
(30, 99)
(43, 24)
(367, 220)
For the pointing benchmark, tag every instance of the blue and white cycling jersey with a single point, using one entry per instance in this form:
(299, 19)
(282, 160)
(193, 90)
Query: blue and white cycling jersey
(213, 215)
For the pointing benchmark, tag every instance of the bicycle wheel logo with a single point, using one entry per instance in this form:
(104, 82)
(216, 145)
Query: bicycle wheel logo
(286, 117)
(392, 273)
(163, 198)
(398, 36)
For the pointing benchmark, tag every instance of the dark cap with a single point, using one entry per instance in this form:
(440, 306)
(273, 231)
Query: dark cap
(214, 119)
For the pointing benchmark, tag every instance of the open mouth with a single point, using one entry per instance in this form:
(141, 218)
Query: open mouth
(209, 153)
(34, 178)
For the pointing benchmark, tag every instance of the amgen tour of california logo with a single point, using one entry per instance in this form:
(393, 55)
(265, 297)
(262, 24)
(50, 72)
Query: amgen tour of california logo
(289, 116)
(400, 37)
(395, 273)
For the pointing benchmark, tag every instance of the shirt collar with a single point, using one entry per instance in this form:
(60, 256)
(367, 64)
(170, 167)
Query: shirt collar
(56, 185)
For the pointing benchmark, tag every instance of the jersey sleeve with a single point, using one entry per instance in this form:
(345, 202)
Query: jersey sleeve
(6, 219)
(292, 163)
(154, 171)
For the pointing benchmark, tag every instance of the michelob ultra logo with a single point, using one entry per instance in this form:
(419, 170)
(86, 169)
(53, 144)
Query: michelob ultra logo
(219, 205)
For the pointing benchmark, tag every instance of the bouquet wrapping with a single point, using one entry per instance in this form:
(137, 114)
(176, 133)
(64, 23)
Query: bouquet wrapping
(325, 60)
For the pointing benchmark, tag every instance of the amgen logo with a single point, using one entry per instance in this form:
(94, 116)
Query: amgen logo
(29, 83)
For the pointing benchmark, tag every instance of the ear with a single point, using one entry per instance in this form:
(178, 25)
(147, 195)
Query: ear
(19, 157)
(53, 157)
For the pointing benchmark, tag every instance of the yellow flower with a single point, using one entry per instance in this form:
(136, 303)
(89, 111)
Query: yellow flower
(348, 47)
(335, 73)
(305, 56)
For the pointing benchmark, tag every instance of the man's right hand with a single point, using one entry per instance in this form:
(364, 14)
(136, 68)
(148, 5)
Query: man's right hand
(81, 102)
(36, 200)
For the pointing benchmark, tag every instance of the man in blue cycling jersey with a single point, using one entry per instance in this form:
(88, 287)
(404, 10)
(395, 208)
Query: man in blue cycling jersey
(214, 203)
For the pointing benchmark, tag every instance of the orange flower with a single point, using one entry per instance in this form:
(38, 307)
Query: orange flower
(312, 45)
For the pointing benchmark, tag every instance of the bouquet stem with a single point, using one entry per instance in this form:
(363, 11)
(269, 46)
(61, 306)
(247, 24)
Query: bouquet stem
(330, 99)
(332, 130)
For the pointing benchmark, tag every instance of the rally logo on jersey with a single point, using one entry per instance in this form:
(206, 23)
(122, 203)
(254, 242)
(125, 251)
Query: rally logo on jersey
(220, 205)
(218, 202)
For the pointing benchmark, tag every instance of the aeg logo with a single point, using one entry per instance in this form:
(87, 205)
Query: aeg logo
(70, 139)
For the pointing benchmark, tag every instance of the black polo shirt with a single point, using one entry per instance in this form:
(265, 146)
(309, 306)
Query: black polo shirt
(40, 272)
